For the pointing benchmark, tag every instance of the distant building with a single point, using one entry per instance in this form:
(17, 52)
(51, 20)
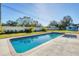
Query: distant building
(53, 28)
(72, 28)
(37, 29)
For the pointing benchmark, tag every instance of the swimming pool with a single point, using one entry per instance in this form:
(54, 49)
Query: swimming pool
(24, 44)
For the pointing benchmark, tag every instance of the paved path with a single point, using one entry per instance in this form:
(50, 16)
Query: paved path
(4, 50)
(58, 47)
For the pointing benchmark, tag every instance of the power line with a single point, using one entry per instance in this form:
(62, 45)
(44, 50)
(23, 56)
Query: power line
(14, 9)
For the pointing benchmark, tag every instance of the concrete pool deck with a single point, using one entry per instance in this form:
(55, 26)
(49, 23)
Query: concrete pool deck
(59, 46)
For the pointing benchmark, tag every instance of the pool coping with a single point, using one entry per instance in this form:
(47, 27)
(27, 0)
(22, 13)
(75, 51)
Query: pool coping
(14, 53)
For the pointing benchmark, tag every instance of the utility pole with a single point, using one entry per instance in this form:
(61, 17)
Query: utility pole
(0, 20)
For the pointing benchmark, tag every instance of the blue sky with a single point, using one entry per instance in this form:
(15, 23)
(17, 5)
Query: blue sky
(44, 13)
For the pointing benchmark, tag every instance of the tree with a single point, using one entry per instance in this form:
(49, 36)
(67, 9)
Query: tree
(36, 24)
(25, 21)
(60, 25)
(19, 21)
(67, 20)
(53, 23)
(11, 23)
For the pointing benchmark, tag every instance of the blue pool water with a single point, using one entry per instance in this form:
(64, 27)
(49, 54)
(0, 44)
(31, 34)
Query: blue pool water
(24, 44)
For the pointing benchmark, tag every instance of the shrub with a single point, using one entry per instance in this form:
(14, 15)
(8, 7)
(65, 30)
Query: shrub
(29, 30)
(43, 29)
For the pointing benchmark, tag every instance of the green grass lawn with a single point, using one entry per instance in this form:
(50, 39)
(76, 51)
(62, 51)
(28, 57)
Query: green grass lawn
(33, 33)
(20, 34)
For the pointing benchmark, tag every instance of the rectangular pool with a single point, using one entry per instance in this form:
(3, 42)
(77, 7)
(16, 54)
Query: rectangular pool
(24, 44)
